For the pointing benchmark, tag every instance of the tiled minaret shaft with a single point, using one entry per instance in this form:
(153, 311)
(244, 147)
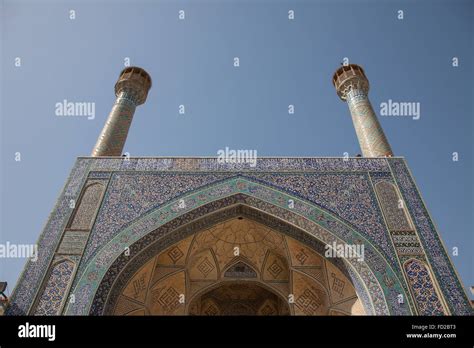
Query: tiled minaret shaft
(131, 90)
(353, 86)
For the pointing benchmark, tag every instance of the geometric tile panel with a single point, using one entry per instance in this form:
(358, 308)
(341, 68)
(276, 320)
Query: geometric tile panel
(309, 297)
(303, 256)
(203, 266)
(176, 255)
(165, 297)
(341, 288)
(275, 268)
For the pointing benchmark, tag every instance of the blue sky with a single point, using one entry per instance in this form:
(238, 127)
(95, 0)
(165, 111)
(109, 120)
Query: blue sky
(282, 62)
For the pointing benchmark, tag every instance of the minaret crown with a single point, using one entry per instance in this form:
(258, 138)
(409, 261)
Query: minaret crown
(350, 77)
(135, 82)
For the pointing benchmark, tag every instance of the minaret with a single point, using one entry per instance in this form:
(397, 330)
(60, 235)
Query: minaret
(352, 85)
(131, 90)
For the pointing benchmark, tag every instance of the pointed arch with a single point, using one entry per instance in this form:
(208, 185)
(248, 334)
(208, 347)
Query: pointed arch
(374, 279)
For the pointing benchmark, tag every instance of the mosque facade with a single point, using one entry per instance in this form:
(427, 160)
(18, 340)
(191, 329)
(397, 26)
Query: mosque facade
(207, 236)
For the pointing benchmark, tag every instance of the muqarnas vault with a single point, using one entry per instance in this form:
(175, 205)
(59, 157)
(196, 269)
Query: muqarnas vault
(198, 236)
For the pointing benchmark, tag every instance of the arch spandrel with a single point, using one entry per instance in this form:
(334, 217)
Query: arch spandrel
(377, 275)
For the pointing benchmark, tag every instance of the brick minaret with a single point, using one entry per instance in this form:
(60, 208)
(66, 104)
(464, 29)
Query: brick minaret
(131, 90)
(353, 86)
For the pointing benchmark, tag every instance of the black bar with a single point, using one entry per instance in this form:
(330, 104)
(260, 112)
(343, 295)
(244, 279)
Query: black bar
(138, 331)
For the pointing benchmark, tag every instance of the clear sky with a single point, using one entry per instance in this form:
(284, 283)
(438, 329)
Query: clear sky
(282, 62)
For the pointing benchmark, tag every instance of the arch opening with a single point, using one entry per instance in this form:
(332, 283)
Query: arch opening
(238, 266)
(239, 298)
(109, 270)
